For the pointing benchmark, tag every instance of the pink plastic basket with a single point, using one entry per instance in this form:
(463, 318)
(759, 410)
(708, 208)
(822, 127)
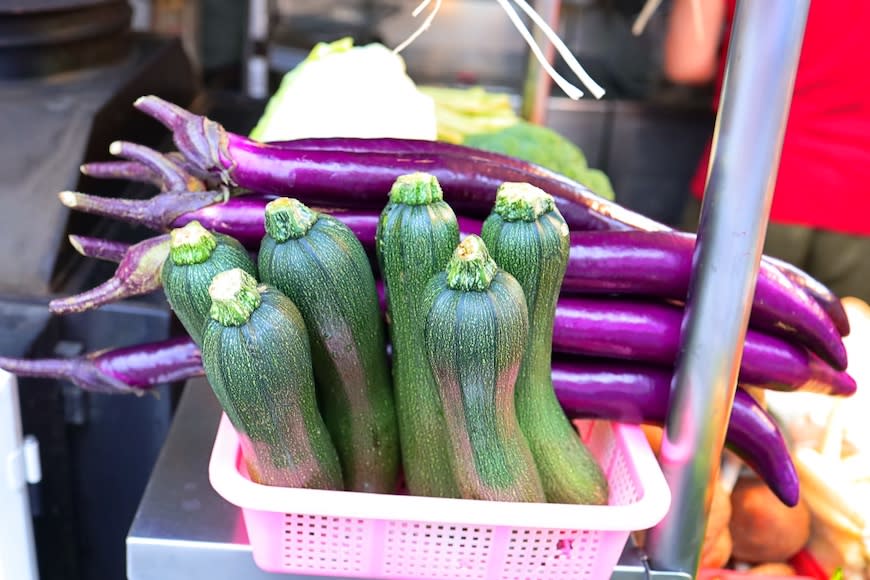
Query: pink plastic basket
(305, 531)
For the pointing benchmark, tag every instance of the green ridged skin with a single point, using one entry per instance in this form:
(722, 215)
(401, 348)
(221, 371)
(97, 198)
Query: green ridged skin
(415, 238)
(196, 256)
(475, 333)
(533, 247)
(321, 266)
(261, 372)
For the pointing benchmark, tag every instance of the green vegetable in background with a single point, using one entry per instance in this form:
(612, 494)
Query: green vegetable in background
(487, 121)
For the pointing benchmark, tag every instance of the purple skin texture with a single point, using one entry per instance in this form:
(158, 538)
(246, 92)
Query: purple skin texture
(132, 369)
(613, 391)
(659, 264)
(634, 393)
(649, 331)
(612, 262)
(275, 168)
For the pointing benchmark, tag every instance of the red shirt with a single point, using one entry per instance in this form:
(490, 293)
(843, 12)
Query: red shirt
(824, 171)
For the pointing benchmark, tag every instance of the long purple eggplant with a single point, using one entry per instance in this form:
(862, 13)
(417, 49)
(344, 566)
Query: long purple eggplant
(645, 331)
(132, 369)
(637, 330)
(343, 177)
(829, 301)
(612, 391)
(643, 263)
(344, 170)
(649, 331)
(639, 263)
(634, 393)
(660, 264)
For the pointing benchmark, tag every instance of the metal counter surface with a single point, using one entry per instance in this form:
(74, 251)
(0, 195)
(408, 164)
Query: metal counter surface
(183, 530)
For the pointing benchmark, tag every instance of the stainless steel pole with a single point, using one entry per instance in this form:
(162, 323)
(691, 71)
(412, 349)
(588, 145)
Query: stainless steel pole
(762, 62)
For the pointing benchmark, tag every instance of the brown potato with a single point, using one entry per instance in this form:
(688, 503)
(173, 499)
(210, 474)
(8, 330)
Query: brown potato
(720, 513)
(716, 554)
(772, 569)
(654, 435)
(716, 550)
(763, 529)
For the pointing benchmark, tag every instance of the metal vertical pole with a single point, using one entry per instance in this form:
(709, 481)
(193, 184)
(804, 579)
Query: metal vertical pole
(762, 63)
(256, 58)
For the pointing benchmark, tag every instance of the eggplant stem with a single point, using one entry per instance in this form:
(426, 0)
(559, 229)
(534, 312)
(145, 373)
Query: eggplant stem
(81, 371)
(157, 213)
(203, 142)
(99, 248)
(49, 368)
(174, 177)
(137, 274)
(169, 114)
(111, 290)
(210, 181)
(130, 170)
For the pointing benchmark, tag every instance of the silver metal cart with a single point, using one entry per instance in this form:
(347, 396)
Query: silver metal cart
(184, 530)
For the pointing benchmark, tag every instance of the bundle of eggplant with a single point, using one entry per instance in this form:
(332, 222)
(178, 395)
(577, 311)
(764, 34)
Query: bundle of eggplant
(616, 330)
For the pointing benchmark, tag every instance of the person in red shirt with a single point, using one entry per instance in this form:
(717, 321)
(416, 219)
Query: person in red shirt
(820, 215)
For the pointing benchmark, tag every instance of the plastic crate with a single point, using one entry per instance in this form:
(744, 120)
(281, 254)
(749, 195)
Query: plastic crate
(352, 534)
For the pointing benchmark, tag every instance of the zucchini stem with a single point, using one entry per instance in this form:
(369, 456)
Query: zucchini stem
(522, 202)
(234, 297)
(289, 219)
(471, 268)
(416, 189)
(191, 244)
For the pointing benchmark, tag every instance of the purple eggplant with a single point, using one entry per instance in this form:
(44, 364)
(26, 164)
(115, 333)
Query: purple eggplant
(242, 218)
(633, 393)
(659, 264)
(344, 172)
(363, 178)
(649, 264)
(613, 391)
(132, 369)
(818, 291)
(649, 331)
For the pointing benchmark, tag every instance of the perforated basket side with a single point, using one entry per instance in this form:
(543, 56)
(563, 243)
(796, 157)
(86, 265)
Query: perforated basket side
(394, 536)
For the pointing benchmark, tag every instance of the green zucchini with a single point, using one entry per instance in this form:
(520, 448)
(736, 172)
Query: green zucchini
(475, 336)
(417, 232)
(196, 255)
(528, 237)
(257, 359)
(317, 262)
